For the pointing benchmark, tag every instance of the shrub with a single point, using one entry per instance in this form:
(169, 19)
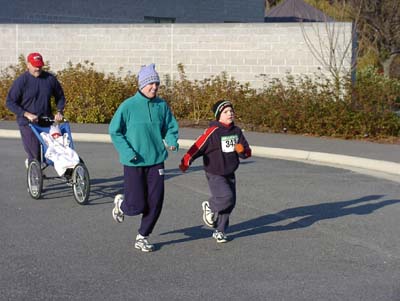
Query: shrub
(7, 77)
(299, 105)
(193, 100)
(376, 99)
(92, 96)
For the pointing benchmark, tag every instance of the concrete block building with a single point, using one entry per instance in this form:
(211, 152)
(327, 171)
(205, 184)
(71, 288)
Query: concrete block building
(206, 37)
(131, 11)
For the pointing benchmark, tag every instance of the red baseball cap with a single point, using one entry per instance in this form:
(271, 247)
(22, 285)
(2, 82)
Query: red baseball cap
(35, 59)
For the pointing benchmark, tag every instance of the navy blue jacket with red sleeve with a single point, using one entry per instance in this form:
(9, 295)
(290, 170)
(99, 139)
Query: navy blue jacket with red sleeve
(217, 147)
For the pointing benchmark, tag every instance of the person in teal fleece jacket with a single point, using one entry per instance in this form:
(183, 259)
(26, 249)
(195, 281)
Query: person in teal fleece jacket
(142, 129)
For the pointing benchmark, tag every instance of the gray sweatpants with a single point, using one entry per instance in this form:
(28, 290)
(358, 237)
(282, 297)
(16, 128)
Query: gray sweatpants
(223, 198)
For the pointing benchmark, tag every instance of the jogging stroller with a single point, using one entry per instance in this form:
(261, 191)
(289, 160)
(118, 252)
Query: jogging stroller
(76, 177)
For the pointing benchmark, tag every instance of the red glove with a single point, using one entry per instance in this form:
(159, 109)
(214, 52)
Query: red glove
(183, 167)
(239, 148)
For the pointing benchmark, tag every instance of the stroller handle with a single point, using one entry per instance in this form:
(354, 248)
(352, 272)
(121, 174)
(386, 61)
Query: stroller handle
(45, 120)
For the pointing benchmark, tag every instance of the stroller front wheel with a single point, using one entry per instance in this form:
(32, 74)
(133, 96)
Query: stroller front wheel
(35, 179)
(81, 184)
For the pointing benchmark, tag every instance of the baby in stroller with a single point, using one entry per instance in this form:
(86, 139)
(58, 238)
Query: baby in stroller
(59, 150)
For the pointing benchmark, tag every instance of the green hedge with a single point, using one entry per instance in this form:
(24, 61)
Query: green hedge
(298, 105)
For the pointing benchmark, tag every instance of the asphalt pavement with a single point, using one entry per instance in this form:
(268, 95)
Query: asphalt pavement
(375, 159)
(299, 231)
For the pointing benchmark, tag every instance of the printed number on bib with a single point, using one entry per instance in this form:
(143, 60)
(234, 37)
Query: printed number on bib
(228, 143)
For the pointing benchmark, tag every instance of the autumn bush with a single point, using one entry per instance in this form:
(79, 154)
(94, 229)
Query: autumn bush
(7, 76)
(366, 108)
(93, 96)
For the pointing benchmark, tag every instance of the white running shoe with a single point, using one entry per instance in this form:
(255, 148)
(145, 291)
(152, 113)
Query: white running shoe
(220, 237)
(26, 163)
(117, 213)
(208, 215)
(143, 244)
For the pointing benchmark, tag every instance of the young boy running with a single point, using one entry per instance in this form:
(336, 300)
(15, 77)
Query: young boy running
(220, 145)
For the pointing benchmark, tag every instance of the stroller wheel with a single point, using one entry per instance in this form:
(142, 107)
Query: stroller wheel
(81, 184)
(34, 179)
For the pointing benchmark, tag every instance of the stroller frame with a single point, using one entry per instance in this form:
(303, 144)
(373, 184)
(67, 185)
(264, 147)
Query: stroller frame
(77, 177)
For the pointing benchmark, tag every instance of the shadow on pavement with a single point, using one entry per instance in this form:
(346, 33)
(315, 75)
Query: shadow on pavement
(305, 216)
(298, 217)
(191, 233)
(105, 189)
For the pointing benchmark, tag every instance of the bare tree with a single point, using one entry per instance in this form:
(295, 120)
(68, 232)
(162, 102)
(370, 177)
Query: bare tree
(378, 26)
(333, 46)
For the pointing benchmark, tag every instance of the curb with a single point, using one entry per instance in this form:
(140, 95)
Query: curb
(347, 162)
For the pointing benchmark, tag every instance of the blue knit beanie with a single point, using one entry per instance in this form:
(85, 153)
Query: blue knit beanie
(147, 75)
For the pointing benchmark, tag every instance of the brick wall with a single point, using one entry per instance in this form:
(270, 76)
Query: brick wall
(249, 52)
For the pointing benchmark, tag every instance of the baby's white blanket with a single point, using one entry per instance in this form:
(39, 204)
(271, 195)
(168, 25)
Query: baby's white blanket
(59, 151)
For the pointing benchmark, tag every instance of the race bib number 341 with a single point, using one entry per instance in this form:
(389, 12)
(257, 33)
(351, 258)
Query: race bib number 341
(228, 143)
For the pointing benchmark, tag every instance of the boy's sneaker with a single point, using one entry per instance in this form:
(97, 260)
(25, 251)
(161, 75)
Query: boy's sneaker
(143, 244)
(219, 236)
(208, 215)
(117, 213)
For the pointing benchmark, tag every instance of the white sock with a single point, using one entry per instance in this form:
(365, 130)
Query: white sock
(139, 236)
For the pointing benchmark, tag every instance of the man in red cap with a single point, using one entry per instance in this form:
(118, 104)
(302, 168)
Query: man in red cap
(30, 97)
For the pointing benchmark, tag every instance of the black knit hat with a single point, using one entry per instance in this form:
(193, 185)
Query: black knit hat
(219, 106)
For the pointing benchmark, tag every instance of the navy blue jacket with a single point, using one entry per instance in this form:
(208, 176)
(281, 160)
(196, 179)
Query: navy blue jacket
(33, 94)
(217, 146)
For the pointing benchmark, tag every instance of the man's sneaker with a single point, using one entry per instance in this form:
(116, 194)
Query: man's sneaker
(143, 244)
(117, 213)
(220, 236)
(208, 215)
(26, 163)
